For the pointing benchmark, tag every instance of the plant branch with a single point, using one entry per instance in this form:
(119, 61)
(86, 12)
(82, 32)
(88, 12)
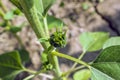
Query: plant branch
(3, 7)
(80, 57)
(72, 70)
(70, 58)
(30, 12)
(46, 26)
(75, 64)
(1, 13)
(54, 60)
(17, 4)
(19, 40)
(34, 73)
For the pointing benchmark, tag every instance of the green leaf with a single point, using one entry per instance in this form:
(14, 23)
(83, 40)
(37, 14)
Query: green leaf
(47, 4)
(98, 75)
(17, 4)
(10, 65)
(44, 57)
(112, 42)
(24, 54)
(43, 40)
(54, 22)
(93, 41)
(107, 64)
(39, 6)
(82, 75)
(43, 6)
(15, 29)
(9, 15)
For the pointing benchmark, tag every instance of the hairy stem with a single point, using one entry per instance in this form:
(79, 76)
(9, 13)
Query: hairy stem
(54, 60)
(30, 12)
(46, 26)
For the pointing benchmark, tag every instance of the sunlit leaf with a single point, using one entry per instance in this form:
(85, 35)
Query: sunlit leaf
(112, 42)
(107, 64)
(82, 75)
(9, 15)
(54, 22)
(43, 6)
(93, 41)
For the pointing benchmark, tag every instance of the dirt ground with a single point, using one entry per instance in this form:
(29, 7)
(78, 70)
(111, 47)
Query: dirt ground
(99, 16)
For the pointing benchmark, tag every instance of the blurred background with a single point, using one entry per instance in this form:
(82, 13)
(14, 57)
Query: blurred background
(78, 15)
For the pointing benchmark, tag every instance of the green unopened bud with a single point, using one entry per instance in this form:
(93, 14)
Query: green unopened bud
(58, 39)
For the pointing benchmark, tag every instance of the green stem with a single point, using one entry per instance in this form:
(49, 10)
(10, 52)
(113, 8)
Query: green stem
(17, 4)
(19, 40)
(46, 26)
(29, 77)
(75, 64)
(56, 66)
(54, 60)
(80, 57)
(70, 58)
(28, 70)
(30, 12)
(3, 7)
(34, 73)
(72, 70)
(1, 13)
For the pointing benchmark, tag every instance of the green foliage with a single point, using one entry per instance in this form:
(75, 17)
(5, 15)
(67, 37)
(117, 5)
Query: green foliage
(14, 29)
(98, 75)
(9, 15)
(47, 4)
(93, 41)
(44, 57)
(39, 6)
(43, 40)
(43, 6)
(17, 4)
(113, 41)
(3, 24)
(10, 65)
(54, 22)
(82, 75)
(24, 55)
(105, 67)
(107, 64)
